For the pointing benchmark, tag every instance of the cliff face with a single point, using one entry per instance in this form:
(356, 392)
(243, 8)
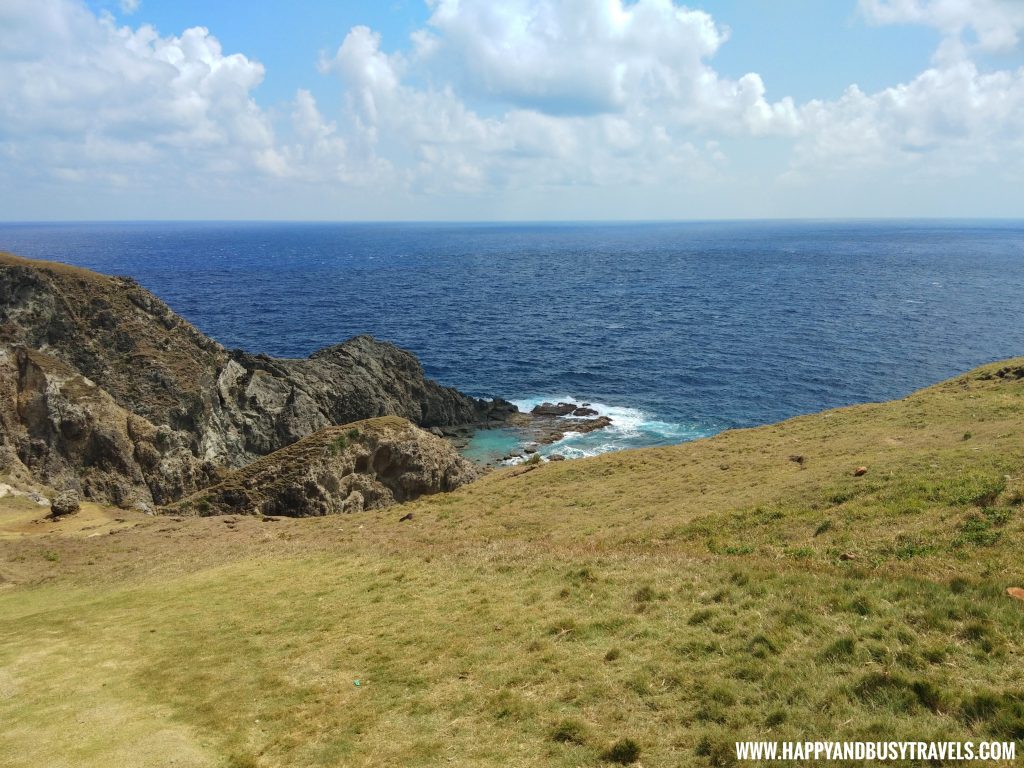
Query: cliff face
(105, 389)
(234, 406)
(70, 434)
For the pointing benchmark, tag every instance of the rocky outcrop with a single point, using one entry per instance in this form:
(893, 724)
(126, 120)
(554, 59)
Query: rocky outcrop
(268, 403)
(366, 465)
(232, 407)
(556, 430)
(553, 409)
(71, 435)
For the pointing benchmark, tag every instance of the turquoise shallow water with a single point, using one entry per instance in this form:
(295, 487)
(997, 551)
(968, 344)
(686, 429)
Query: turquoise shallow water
(490, 445)
(676, 330)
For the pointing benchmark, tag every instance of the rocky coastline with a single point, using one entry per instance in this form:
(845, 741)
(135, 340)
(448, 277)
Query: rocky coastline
(107, 395)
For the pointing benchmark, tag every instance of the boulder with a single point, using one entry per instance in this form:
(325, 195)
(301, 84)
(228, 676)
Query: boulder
(65, 503)
(584, 411)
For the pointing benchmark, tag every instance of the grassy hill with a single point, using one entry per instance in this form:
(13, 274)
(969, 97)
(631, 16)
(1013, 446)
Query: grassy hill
(667, 601)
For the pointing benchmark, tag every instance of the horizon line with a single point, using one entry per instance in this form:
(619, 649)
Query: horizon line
(609, 221)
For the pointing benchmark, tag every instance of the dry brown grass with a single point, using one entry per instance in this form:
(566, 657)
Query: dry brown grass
(681, 598)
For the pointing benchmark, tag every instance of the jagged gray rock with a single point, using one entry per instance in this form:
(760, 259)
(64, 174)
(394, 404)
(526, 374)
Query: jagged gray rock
(69, 433)
(233, 406)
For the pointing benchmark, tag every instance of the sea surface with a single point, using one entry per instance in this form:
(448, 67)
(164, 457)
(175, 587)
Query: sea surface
(675, 330)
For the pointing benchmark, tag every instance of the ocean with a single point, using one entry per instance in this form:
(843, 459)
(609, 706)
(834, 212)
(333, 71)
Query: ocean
(675, 330)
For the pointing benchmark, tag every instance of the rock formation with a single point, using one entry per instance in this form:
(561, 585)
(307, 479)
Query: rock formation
(71, 435)
(106, 392)
(551, 409)
(366, 465)
(233, 405)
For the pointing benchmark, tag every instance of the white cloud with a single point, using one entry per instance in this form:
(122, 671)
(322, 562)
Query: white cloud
(590, 57)
(951, 120)
(578, 57)
(576, 93)
(521, 98)
(996, 24)
(130, 6)
(78, 92)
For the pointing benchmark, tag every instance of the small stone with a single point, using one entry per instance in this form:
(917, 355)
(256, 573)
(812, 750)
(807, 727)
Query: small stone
(1015, 592)
(847, 556)
(65, 503)
(797, 459)
(405, 518)
(860, 471)
(556, 457)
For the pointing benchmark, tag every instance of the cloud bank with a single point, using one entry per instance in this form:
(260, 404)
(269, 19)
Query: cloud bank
(488, 102)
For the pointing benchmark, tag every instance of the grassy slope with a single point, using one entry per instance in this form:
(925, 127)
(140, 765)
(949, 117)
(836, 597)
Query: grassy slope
(679, 597)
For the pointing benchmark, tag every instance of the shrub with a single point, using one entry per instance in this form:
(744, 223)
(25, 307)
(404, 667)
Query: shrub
(958, 585)
(643, 595)
(699, 617)
(339, 444)
(720, 750)
(569, 732)
(762, 646)
(623, 751)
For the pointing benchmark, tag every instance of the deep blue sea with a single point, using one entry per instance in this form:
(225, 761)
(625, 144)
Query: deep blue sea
(676, 330)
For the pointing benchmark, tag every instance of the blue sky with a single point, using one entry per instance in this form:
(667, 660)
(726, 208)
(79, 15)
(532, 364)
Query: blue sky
(804, 48)
(527, 109)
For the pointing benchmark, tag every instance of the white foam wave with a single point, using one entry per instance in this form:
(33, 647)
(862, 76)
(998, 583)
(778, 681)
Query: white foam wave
(630, 428)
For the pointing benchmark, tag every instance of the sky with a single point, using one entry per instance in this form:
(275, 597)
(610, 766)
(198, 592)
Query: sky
(520, 110)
